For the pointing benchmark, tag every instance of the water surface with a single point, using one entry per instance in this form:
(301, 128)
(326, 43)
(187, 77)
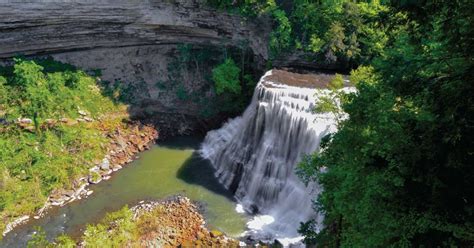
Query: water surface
(169, 168)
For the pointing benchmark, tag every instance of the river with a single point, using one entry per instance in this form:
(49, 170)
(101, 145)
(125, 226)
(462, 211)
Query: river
(169, 168)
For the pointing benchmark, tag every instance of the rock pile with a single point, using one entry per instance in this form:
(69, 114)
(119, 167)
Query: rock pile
(15, 223)
(180, 225)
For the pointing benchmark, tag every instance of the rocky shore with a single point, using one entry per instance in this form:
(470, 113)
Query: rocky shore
(122, 148)
(125, 142)
(179, 225)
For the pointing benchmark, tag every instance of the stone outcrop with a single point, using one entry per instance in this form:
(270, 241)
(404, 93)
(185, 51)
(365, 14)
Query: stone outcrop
(54, 26)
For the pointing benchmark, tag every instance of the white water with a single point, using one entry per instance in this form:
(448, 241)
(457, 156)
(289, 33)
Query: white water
(255, 157)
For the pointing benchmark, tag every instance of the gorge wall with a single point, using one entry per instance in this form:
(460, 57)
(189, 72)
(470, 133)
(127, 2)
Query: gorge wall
(138, 48)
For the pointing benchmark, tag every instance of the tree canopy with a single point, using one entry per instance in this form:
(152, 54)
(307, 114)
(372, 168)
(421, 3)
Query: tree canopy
(399, 171)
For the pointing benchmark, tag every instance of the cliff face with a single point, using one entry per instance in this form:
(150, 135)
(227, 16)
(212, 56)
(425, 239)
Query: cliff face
(138, 48)
(39, 27)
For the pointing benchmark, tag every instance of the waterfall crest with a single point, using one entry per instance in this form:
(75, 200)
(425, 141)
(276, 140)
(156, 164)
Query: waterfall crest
(256, 153)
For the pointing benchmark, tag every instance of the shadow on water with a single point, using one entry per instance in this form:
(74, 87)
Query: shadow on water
(199, 171)
(182, 143)
(196, 170)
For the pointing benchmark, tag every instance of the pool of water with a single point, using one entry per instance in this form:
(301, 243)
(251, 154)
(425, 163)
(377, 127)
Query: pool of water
(169, 168)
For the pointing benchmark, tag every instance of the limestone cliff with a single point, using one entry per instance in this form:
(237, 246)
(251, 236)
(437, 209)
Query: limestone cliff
(38, 27)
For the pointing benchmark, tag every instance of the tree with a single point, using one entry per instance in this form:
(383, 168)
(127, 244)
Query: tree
(226, 77)
(330, 99)
(280, 38)
(334, 41)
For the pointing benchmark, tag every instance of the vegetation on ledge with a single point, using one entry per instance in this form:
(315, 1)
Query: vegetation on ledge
(49, 131)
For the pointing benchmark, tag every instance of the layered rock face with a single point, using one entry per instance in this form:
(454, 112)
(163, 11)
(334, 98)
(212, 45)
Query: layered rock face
(52, 26)
(136, 46)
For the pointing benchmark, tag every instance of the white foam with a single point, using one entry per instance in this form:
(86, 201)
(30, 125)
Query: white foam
(239, 209)
(259, 222)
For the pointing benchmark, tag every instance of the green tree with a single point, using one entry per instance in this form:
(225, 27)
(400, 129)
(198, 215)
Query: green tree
(35, 99)
(226, 77)
(334, 41)
(330, 100)
(280, 38)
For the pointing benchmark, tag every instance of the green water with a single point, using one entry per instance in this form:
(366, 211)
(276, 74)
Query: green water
(167, 169)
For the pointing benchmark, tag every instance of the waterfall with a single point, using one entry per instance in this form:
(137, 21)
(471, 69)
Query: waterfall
(256, 153)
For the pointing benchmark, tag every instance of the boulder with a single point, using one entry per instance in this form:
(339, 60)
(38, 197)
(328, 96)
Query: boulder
(65, 120)
(25, 121)
(105, 165)
(69, 193)
(216, 233)
(94, 178)
(50, 121)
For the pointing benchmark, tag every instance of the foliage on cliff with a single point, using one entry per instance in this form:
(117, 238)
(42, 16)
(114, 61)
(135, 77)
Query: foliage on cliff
(344, 32)
(399, 170)
(40, 152)
(226, 77)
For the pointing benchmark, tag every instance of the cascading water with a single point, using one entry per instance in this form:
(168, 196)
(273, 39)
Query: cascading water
(255, 156)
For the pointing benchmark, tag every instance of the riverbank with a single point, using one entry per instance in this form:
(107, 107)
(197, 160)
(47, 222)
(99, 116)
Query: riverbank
(124, 139)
